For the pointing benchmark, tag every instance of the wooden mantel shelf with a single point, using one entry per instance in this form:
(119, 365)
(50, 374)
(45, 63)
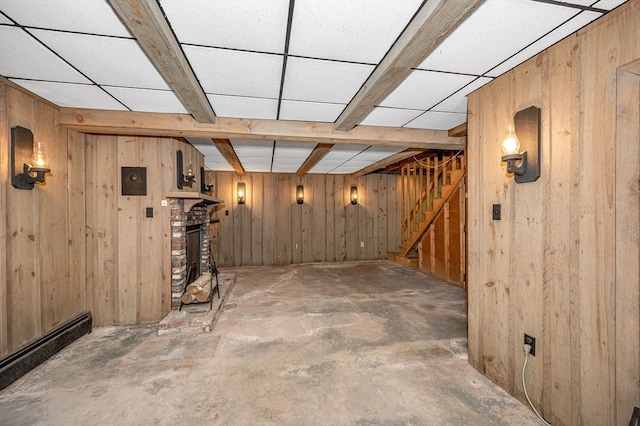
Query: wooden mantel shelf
(193, 198)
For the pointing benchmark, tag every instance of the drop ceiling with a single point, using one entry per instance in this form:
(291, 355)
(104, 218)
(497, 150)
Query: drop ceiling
(285, 60)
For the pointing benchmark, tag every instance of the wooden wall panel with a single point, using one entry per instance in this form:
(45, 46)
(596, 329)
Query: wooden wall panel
(325, 228)
(552, 266)
(40, 277)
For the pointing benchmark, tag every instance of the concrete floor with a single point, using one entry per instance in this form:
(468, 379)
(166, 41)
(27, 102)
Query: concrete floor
(366, 343)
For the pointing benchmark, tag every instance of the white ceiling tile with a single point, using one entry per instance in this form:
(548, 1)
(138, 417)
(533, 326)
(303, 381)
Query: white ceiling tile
(458, 101)
(4, 20)
(494, 32)
(310, 111)
(578, 2)
(609, 4)
(242, 107)
(323, 81)
(435, 120)
(147, 100)
(255, 155)
(71, 95)
(212, 158)
(337, 156)
(374, 154)
(289, 156)
(390, 117)
(106, 60)
(355, 30)
(231, 72)
(24, 57)
(84, 16)
(424, 89)
(230, 23)
(558, 34)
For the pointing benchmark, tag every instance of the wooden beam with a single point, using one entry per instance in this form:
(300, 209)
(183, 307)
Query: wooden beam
(387, 161)
(145, 20)
(183, 125)
(318, 152)
(431, 25)
(458, 131)
(229, 154)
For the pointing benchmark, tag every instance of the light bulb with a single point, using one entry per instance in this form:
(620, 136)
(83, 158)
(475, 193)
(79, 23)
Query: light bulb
(510, 144)
(39, 159)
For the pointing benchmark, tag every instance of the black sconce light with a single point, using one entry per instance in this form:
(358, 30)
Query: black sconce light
(204, 187)
(353, 195)
(183, 179)
(28, 157)
(525, 134)
(242, 192)
(299, 194)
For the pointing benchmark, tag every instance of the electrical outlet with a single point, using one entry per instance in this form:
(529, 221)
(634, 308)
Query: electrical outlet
(496, 211)
(531, 341)
(361, 243)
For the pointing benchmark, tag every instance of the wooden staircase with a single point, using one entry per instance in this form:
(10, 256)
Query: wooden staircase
(427, 185)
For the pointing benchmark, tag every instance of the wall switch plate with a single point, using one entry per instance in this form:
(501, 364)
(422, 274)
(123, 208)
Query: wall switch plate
(531, 341)
(164, 203)
(361, 243)
(149, 211)
(496, 211)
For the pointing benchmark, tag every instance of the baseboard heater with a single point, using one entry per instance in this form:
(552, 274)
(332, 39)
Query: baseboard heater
(21, 361)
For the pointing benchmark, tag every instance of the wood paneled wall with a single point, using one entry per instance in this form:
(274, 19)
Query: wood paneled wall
(272, 229)
(41, 235)
(562, 264)
(75, 243)
(129, 254)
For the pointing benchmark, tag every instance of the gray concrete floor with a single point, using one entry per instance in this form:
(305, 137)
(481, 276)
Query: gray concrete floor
(366, 343)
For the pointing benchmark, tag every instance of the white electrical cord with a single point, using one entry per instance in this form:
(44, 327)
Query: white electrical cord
(527, 349)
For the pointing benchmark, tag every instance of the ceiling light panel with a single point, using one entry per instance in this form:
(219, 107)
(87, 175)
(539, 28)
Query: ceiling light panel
(243, 107)
(84, 16)
(310, 111)
(230, 23)
(424, 89)
(106, 60)
(569, 27)
(355, 30)
(24, 57)
(289, 156)
(146, 100)
(255, 155)
(323, 81)
(390, 117)
(438, 120)
(71, 95)
(337, 156)
(457, 102)
(494, 32)
(232, 72)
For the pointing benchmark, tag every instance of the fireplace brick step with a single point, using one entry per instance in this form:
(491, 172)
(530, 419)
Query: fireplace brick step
(198, 318)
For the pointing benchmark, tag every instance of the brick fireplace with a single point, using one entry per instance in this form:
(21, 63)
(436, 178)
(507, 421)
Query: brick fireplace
(195, 219)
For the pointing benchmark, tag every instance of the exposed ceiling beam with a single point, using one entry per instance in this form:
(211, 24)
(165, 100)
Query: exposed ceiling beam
(458, 131)
(183, 125)
(431, 25)
(318, 152)
(387, 161)
(145, 20)
(229, 154)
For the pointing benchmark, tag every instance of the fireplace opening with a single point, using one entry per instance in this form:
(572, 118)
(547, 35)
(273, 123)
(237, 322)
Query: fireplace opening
(194, 247)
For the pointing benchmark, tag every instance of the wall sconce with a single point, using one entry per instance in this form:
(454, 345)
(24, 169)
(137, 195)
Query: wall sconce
(299, 194)
(204, 187)
(525, 134)
(353, 194)
(183, 179)
(28, 157)
(242, 192)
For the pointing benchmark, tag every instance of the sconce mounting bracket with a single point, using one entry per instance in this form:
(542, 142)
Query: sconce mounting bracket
(527, 126)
